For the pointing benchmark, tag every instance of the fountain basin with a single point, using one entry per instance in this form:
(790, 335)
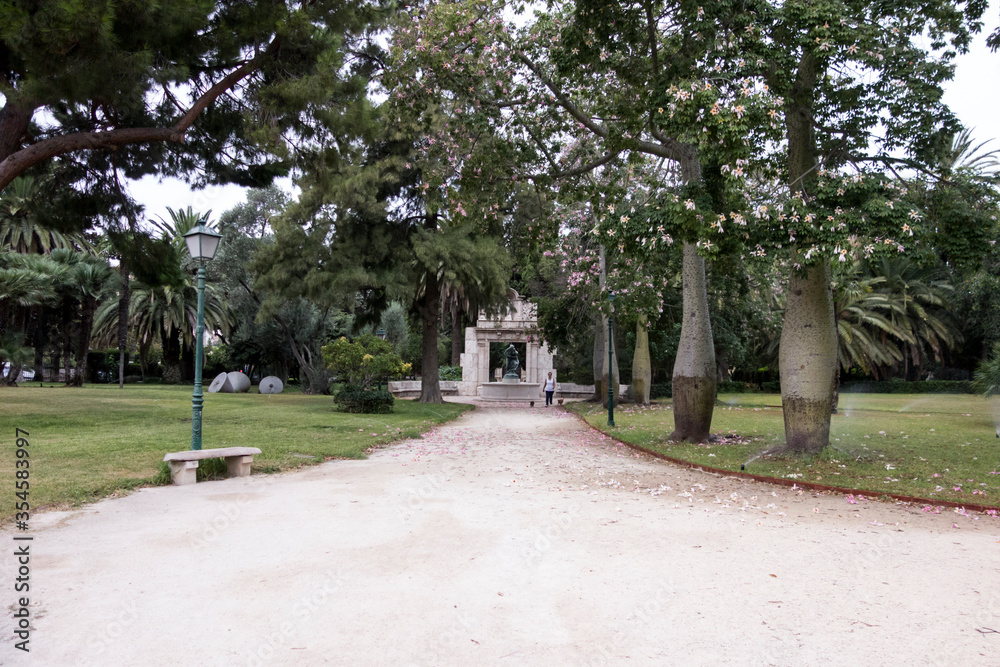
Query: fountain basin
(509, 391)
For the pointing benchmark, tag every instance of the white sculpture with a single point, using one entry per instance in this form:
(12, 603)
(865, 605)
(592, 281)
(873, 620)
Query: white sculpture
(270, 385)
(221, 383)
(239, 381)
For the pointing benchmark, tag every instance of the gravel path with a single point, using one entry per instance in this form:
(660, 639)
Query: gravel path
(511, 536)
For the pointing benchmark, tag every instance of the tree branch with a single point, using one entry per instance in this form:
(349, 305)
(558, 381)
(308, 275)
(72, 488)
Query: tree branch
(668, 148)
(16, 163)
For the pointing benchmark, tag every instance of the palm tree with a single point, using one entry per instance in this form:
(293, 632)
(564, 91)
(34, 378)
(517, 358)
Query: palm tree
(16, 353)
(965, 153)
(888, 313)
(20, 231)
(987, 378)
(27, 280)
(181, 222)
(89, 277)
(919, 297)
(27, 284)
(865, 329)
(164, 314)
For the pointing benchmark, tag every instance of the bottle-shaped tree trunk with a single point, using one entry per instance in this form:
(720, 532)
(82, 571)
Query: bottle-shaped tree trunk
(808, 359)
(694, 368)
(642, 372)
(601, 361)
(600, 357)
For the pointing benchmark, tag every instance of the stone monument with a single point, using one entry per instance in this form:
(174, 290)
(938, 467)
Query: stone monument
(518, 325)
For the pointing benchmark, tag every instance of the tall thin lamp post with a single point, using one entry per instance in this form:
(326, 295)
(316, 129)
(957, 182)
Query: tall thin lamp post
(611, 361)
(202, 242)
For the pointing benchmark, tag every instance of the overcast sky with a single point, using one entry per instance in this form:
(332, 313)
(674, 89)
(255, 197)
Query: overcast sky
(974, 95)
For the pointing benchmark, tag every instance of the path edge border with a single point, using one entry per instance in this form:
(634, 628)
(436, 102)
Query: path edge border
(778, 481)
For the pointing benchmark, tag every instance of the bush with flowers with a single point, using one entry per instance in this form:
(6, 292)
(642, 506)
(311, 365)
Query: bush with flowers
(358, 365)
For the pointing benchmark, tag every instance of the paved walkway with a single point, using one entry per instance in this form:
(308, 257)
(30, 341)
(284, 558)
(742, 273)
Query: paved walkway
(509, 537)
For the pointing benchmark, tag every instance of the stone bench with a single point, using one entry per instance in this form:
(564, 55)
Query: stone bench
(184, 465)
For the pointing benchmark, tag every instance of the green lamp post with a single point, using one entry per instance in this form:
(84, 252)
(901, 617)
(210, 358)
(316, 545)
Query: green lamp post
(202, 242)
(611, 361)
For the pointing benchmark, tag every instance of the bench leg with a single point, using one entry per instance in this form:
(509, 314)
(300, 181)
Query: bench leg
(183, 472)
(239, 466)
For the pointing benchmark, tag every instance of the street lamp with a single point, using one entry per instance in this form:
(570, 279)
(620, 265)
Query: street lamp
(202, 242)
(611, 361)
(381, 333)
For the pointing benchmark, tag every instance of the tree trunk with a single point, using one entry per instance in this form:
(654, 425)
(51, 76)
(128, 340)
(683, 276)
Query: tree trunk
(601, 347)
(40, 341)
(144, 346)
(835, 403)
(457, 336)
(317, 381)
(187, 361)
(13, 373)
(83, 342)
(124, 299)
(430, 387)
(807, 360)
(67, 340)
(642, 374)
(15, 121)
(600, 358)
(172, 357)
(694, 367)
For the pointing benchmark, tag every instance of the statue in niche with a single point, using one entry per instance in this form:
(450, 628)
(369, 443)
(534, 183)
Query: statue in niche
(512, 363)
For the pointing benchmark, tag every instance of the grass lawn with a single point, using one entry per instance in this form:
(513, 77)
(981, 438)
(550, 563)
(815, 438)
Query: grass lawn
(92, 442)
(934, 446)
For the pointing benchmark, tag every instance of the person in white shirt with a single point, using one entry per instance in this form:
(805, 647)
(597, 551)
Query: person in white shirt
(550, 388)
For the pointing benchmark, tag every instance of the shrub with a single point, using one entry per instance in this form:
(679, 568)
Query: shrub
(771, 386)
(729, 387)
(367, 401)
(363, 362)
(987, 380)
(450, 373)
(660, 390)
(897, 386)
(217, 360)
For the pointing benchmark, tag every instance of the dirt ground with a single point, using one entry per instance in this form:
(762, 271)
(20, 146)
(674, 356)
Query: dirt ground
(511, 536)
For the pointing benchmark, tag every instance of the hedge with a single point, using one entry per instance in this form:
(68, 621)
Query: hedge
(896, 386)
(367, 401)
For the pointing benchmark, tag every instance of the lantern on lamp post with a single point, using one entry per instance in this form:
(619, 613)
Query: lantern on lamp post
(202, 242)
